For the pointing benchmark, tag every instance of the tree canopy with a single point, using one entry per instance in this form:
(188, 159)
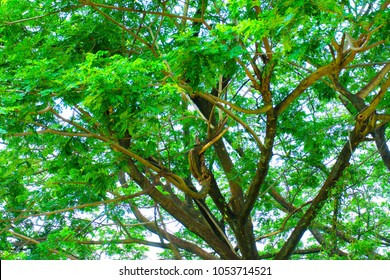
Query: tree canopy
(208, 129)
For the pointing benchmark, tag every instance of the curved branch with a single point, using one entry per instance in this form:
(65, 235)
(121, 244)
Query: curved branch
(288, 207)
(239, 109)
(237, 119)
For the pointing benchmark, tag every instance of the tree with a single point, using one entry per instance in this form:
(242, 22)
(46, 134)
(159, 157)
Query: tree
(209, 129)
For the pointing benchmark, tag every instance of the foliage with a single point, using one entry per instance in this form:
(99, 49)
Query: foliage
(209, 129)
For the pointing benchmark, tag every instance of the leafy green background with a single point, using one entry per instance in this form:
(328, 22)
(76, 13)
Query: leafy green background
(79, 78)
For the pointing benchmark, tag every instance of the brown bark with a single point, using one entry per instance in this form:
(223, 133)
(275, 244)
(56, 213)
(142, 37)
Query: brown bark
(324, 193)
(189, 221)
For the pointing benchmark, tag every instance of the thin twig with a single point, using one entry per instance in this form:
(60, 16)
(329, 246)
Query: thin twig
(45, 15)
(31, 240)
(93, 204)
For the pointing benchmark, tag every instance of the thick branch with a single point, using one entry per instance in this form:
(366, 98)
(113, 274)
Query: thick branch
(238, 108)
(262, 166)
(236, 118)
(190, 247)
(182, 215)
(303, 85)
(288, 207)
(375, 102)
(360, 105)
(324, 193)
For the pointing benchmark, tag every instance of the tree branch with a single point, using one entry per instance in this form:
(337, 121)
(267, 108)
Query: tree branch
(379, 132)
(92, 204)
(342, 162)
(365, 91)
(236, 118)
(369, 110)
(149, 46)
(185, 245)
(52, 131)
(31, 240)
(303, 85)
(199, 20)
(41, 16)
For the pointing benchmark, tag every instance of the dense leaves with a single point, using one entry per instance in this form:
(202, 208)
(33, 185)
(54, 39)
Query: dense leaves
(207, 129)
